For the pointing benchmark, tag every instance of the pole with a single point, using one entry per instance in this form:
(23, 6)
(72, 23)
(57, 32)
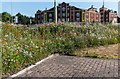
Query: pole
(11, 13)
(55, 7)
(103, 14)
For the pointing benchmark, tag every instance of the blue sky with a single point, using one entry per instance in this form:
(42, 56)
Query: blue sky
(29, 8)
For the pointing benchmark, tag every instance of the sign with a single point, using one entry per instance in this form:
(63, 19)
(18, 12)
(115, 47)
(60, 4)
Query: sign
(16, 19)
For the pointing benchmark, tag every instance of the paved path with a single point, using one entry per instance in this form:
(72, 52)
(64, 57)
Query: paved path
(70, 66)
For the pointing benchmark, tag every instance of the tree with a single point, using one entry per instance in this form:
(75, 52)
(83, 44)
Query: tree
(6, 17)
(0, 16)
(22, 19)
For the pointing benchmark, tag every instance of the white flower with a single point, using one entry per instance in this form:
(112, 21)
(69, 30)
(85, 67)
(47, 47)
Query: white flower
(6, 35)
(36, 47)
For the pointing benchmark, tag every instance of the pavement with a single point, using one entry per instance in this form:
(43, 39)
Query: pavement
(71, 66)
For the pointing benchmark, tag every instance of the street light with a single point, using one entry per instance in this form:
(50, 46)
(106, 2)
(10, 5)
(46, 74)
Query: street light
(55, 11)
(11, 13)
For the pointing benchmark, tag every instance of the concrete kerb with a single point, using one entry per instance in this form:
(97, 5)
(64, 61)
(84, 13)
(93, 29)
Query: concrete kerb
(30, 67)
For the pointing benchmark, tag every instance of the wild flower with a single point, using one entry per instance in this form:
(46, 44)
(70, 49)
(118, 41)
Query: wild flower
(6, 36)
(36, 47)
(17, 52)
(21, 43)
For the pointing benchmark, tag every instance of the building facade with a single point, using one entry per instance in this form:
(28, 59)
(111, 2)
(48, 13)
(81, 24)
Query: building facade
(92, 15)
(68, 13)
(107, 15)
(65, 13)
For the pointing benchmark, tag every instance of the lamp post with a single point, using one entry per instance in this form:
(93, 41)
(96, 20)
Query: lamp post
(11, 13)
(55, 11)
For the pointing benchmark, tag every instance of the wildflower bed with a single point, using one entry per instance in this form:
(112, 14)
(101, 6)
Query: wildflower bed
(23, 46)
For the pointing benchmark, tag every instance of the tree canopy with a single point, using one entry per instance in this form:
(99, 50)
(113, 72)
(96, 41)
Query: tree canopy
(6, 17)
(22, 19)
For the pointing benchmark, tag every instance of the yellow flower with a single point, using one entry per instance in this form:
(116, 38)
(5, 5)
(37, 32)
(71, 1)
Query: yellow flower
(18, 47)
(42, 44)
(30, 48)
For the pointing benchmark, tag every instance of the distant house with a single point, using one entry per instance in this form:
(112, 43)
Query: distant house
(107, 15)
(68, 13)
(65, 13)
(92, 15)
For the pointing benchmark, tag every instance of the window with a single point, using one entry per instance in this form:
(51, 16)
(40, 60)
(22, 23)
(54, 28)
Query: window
(50, 20)
(63, 14)
(68, 8)
(42, 15)
(59, 14)
(68, 19)
(63, 9)
(68, 14)
(58, 8)
(97, 16)
(59, 20)
(38, 21)
(50, 15)
(38, 16)
(106, 15)
(78, 19)
(92, 20)
(87, 14)
(63, 19)
(101, 19)
(101, 15)
(42, 21)
(92, 15)
(78, 14)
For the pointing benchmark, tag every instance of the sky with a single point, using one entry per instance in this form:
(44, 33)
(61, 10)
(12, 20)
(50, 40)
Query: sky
(30, 8)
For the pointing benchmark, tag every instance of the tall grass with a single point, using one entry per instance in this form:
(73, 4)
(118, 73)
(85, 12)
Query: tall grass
(23, 46)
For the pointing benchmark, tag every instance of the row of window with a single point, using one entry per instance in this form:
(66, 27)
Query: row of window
(102, 19)
(63, 19)
(77, 15)
(63, 14)
(63, 9)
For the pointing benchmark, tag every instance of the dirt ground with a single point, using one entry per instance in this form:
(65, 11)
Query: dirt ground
(110, 51)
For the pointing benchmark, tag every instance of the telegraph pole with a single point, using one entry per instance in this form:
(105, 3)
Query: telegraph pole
(103, 14)
(55, 11)
(11, 13)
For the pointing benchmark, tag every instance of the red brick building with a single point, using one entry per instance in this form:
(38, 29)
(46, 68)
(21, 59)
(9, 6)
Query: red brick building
(107, 15)
(92, 15)
(65, 13)
(68, 13)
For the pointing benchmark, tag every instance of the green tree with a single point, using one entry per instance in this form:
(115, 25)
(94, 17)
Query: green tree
(6, 17)
(0, 16)
(22, 19)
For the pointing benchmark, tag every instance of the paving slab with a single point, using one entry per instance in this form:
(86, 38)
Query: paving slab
(71, 66)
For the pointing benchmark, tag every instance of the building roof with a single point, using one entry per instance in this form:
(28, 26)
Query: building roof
(39, 11)
(92, 8)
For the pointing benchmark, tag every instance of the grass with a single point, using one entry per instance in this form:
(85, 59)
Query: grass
(98, 52)
(23, 46)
